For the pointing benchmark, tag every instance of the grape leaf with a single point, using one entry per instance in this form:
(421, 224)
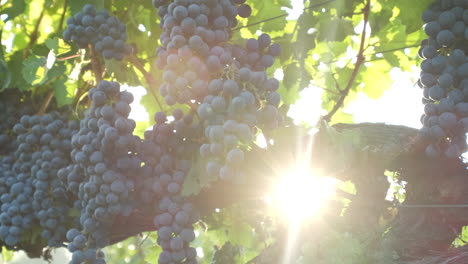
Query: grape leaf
(410, 13)
(17, 8)
(7, 255)
(64, 92)
(31, 66)
(53, 44)
(336, 29)
(197, 179)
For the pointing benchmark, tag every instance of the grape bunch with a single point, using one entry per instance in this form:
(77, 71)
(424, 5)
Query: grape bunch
(258, 54)
(104, 156)
(166, 152)
(240, 102)
(51, 201)
(106, 33)
(16, 214)
(13, 105)
(444, 79)
(32, 194)
(232, 113)
(193, 46)
(234, 96)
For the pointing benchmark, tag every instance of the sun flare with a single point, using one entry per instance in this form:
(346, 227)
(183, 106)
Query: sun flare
(301, 194)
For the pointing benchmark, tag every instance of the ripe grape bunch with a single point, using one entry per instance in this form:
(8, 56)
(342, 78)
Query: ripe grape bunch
(106, 33)
(12, 106)
(228, 82)
(104, 149)
(166, 152)
(193, 46)
(444, 79)
(32, 194)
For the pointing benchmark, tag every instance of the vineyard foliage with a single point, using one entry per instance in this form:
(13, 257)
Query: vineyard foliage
(344, 47)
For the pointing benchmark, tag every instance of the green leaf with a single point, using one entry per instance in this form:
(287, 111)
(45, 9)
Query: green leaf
(226, 254)
(392, 36)
(76, 6)
(241, 234)
(122, 72)
(285, 3)
(380, 19)
(376, 78)
(53, 44)
(57, 70)
(5, 75)
(7, 255)
(262, 13)
(141, 127)
(290, 85)
(151, 105)
(335, 247)
(15, 66)
(152, 253)
(336, 29)
(346, 7)
(410, 13)
(64, 91)
(17, 9)
(344, 145)
(31, 66)
(197, 178)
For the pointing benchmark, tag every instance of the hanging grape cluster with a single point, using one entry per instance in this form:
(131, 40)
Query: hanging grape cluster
(228, 82)
(104, 149)
(13, 105)
(167, 152)
(106, 33)
(444, 79)
(32, 194)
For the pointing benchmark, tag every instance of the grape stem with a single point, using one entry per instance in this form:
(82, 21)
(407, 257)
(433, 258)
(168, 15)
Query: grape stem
(359, 61)
(46, 102)
(95, 63)
(69, 57)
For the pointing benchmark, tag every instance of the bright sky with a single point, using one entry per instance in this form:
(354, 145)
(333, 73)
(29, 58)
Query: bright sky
(400, 105)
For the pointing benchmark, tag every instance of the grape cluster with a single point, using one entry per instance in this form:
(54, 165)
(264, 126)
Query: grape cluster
(234, 96)
(444, 79)
(231, 114)
(193, 46)
(258, 54)
(13, 105)
(16, 211)
(166, 152)
(104, 155)
(106, 33)
(32, 194)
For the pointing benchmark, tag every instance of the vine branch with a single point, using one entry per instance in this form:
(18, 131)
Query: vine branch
(46, 102)
(35, 33)
(62, 18)
(359, 61)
